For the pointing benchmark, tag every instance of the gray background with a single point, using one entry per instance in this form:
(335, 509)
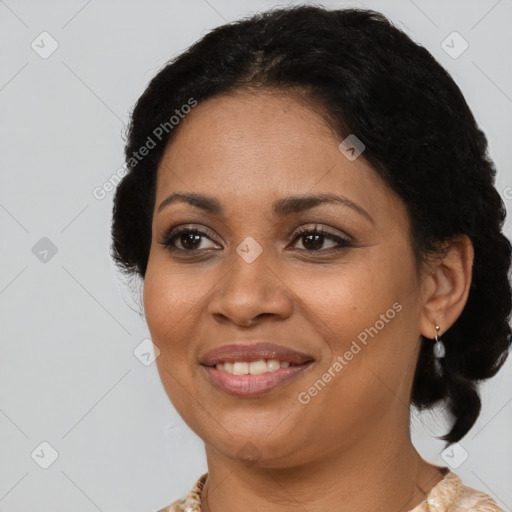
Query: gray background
(69, 326)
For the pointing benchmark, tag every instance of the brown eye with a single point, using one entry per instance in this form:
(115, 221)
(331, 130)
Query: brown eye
(189, 239)
(314, 239)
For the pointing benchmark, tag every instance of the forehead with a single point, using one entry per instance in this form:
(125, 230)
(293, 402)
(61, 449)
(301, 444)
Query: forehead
(257, 145)
(250, 124)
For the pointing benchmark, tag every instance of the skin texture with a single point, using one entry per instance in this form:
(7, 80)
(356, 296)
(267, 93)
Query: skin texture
(349, 448)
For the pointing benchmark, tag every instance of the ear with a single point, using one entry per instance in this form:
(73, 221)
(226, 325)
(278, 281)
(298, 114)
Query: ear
(446, 289)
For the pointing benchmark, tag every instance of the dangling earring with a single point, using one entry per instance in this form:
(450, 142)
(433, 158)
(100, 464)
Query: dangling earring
(439, 352)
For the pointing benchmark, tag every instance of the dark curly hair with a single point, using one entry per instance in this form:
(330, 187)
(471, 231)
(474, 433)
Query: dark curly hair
(369, 78)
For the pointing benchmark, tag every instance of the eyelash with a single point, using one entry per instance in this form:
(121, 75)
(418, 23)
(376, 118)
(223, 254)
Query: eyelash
(172, 235)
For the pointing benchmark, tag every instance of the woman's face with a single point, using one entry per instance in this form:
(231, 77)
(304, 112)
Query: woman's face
(347, 299)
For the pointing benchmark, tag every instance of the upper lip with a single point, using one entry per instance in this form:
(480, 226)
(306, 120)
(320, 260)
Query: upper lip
(253, 352)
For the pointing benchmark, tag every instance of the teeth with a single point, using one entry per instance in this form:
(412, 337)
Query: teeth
(253, 368)
(256, 367)
(240, 368)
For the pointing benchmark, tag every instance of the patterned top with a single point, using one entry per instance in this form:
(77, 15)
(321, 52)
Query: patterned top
(448, 495)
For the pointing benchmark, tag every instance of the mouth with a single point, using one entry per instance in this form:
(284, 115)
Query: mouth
(253, 367)
(244, 370)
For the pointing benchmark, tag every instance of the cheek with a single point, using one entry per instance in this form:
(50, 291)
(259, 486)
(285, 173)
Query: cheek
(167, 310)
(168, 306)
(170, 298)
(345, 302)
(366, 319)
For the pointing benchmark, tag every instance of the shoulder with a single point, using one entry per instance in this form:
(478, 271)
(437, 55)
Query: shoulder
(471, 499)
(451, 494)
(191, 502)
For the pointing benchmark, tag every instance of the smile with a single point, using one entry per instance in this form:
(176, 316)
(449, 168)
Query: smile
(244, 379)
(250, 369)
(253, 367)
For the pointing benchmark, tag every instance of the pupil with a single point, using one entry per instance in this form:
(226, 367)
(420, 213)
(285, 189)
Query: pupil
(189, 237)
(316, 245)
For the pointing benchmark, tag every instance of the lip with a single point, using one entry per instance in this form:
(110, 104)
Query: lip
(253, 352)
(246, 386)
(249, 386)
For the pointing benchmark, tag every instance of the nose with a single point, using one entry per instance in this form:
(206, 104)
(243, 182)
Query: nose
(250, 292)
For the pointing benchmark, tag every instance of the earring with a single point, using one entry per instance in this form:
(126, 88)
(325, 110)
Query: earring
(439, 352)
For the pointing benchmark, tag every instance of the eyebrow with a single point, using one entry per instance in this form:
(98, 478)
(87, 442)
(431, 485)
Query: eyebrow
(281, 208)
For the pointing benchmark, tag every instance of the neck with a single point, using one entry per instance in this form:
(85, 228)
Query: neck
(379, 473)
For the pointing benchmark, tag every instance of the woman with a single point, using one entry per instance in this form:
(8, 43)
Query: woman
(312, 210)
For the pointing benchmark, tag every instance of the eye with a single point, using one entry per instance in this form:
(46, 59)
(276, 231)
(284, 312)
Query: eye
(191, 239)
(188, 238)
(313, 240)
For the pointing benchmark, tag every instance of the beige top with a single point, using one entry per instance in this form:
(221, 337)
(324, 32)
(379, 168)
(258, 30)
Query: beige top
(448, 495)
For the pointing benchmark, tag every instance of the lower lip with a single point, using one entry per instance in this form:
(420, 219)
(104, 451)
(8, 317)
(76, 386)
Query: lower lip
(247, 386)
